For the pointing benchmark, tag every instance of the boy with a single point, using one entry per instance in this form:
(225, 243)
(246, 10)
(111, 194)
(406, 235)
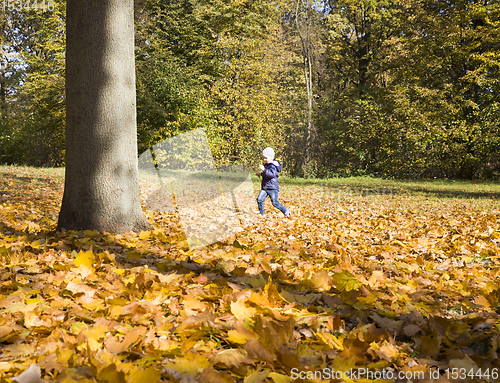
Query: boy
(269, 183)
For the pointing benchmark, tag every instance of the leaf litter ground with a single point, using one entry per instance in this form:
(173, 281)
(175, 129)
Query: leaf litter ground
(402, 281)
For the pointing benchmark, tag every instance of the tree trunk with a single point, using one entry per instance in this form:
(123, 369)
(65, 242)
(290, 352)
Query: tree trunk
(3, 92)
(306, 56)
(3, 79)
(101, 189)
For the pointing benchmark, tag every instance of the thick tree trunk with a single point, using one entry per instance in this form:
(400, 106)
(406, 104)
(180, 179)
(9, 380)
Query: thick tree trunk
(101, 187)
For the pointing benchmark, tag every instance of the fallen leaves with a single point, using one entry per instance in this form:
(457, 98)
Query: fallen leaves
(392, 283)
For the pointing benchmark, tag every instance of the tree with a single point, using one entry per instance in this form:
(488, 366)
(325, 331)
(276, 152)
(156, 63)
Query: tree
(250, 93)
(216, 64)
(32, 84)
(172, 70)
(443, 84)
(305, 32)
(101, 186)
(361, 36)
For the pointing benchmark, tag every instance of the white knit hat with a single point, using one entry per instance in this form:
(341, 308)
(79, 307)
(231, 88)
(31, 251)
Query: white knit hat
(268, 153)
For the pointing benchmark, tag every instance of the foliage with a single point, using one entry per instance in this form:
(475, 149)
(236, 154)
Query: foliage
(220, 69)
(356, 278)
(171, 71)
(405, 89)
(250, 95)
(35, 106)
(420, 95)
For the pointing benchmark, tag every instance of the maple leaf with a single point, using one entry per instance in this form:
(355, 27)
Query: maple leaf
(31, 375)
(150, 375)
(110, 374)
(346, 281)
(231, 358)
(240, 310)
(85, 259)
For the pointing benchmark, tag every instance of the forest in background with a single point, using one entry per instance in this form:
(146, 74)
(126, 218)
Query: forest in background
(392, 88)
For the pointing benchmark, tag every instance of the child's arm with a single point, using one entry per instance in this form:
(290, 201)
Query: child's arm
(270, 172)
(261, 167)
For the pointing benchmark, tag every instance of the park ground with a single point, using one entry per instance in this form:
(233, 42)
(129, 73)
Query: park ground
(372, 275)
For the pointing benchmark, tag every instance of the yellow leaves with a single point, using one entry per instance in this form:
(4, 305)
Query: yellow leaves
(482, 301)
(65, 355)
(384, 350)
(280, 378)
(35, 322)
(257, 377)
(7, 366)
(140, 312)
(144, 235)
(490, 287)
(234, 336)
(331, 340)
(195, 321)
(130, 279)
(91, 338)
(132, 336)
(231, 358)
(18, 349)
(346, 281)
(20, 307)
(321, 280)
(132, 254)
(149, 375)
(252, 308)
(4, 332)
(193, 305)
(110, 374)
(50, 363)
(35, 244)
(85, 259)
(240, 310)
(456, 330)
(190, 365)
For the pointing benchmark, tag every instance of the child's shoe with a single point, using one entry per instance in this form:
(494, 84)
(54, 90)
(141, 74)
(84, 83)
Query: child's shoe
(287, 212)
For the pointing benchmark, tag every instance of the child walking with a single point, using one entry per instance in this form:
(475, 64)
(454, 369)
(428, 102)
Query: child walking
(269, 184)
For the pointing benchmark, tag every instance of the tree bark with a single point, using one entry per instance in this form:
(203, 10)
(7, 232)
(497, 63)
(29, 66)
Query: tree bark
(306, 56)
(101, 189)
(3, 92)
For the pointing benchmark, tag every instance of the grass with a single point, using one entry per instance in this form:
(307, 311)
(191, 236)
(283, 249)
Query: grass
(438, 187)
(416, 194)
(54, 173)
(412, 194)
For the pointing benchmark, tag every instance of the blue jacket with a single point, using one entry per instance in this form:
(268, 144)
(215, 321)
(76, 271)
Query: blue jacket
(270, 176)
